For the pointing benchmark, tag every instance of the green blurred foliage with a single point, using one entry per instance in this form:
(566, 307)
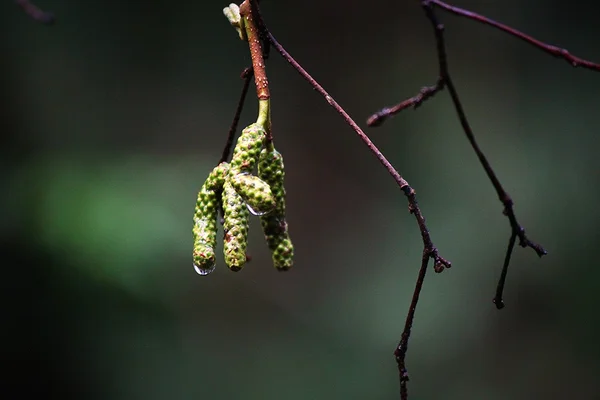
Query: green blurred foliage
(114, 117)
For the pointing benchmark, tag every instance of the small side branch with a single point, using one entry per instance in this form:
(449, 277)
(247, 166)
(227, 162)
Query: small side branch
(416, 101)
(429, 91)
(246, 75)
(500, 289)
(445, 81)
(516, 229)
(439, 264)
(35, 12)
(554, 51)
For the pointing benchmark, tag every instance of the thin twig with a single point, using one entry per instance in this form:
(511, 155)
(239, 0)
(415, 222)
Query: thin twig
(547, 48)
(429, 250)
(388, 166)
(35, 12)
(402, 348)
(500, 289)
(445, 81)
(439, 264)
(246, 75)
(427, 92)
(516, 228)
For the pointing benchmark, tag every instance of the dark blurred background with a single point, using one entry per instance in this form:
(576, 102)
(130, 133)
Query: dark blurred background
(112, 119)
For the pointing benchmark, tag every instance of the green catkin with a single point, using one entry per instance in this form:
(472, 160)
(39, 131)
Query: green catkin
(275, 227)
(204, 230)
(235, 225)
(247, 149)
(255, 192)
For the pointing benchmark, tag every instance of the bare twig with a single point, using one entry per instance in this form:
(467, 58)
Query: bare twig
(445, 81)
(425, 93)
(498, 299)
(429, 250)
(246, 76)
(547, 48)
(516, 229)
(429, 91)
(439, 264)
(35, 12)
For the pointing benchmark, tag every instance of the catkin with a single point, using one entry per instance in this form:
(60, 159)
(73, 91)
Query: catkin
(255, 192)
(247, 149)
(275, 227)
(235, 225)
(204, 230)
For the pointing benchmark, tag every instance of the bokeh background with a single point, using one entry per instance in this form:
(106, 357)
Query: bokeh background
(112, 119)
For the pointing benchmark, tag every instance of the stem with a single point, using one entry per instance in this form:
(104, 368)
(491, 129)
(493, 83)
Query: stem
(258, 65)
(500, 289)
(547, 48)
(264, 114)
(402, 348)
(256, 52)
(246, 76)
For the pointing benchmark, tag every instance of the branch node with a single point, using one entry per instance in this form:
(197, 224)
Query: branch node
(440, 263)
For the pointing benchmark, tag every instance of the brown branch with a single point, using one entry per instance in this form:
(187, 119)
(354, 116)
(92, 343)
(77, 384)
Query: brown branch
(429, 250)
(246, 75)
(380, 116)
(445, 81)
(500, 288)
(547, 48)
(516, 229)
(256, 52)
(439, 264)
(425, 93)
(35, 12)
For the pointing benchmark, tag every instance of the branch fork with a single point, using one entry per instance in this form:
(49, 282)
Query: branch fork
(259, 34)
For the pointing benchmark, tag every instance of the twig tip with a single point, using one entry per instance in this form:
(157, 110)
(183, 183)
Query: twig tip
(499, 303)
(378, 118)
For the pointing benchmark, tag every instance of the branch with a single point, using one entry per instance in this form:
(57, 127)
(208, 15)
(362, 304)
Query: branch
(445, 81)
(427, 92)
(547, 48)
(246, 75)
(256, 52)
(429, 250)
(35, 12)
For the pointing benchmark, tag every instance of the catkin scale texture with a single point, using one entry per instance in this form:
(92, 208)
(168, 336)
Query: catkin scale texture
(255, 192)
(204, 230)
(275, 228)
(247, 149)
(235, 225)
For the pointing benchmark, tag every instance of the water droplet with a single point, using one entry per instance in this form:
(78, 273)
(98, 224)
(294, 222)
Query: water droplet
(204, 270)
(254, 212)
